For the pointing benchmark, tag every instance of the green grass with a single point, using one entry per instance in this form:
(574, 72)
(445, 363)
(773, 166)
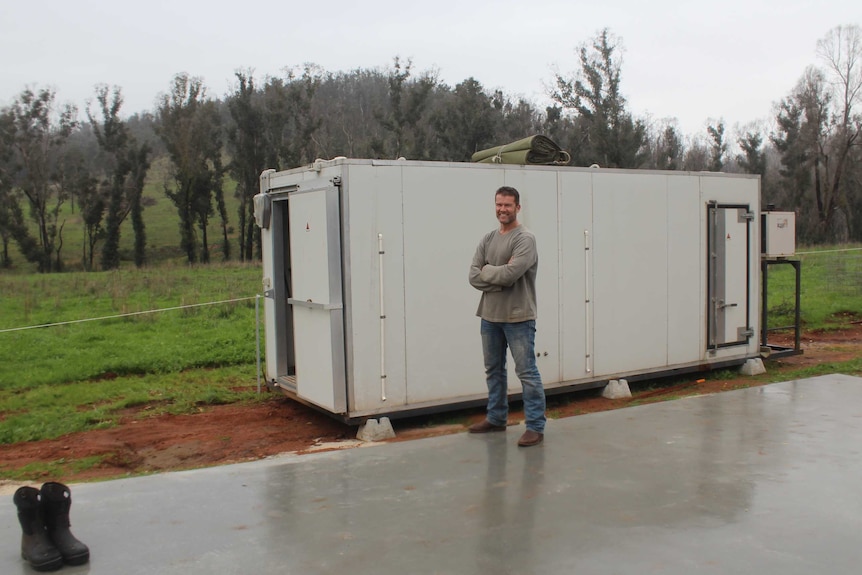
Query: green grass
(50, 411)
(64, 378)
(831, 288)
(164, 342)
(56, 468)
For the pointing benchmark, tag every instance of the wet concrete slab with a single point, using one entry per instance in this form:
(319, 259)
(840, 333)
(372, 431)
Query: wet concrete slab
(762, 480)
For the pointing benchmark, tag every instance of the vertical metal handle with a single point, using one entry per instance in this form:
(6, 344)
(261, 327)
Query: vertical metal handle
(380, 253)
(588, 348)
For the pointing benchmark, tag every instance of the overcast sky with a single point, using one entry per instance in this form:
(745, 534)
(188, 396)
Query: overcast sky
(695, 61)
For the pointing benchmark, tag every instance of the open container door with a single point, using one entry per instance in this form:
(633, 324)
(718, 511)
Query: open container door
(316, 296)
(729, 245)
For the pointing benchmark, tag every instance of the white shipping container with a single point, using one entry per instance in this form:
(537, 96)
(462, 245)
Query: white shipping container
(368, 310)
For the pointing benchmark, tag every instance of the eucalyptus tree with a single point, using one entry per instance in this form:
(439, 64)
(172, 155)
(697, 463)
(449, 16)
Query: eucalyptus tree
(124, 164)
(36, 129)
(247, 145)
(841, 53)
(404, 115)
(717, 146)
(464, 121)
(668, 149)
(346, 103)
(291, 122)
(697, 155)
(517, 119)
(752, 160)
(818, 137)
(189, 125)
(10, 208)
(802, 140)
(611, 137)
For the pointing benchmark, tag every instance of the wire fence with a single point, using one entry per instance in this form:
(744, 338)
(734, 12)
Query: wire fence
(149, 312)
(130, 314)
(842, 269)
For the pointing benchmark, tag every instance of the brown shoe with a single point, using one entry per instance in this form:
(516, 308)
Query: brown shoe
(485, 426)
(531, 437)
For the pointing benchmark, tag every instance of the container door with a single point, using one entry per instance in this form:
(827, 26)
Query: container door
(317, 297)
(729, 241)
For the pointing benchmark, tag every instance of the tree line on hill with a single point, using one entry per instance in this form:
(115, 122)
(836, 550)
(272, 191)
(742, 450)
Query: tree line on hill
(809, 160)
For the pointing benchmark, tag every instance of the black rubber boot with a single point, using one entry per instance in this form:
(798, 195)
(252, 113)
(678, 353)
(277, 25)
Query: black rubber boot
(56, 502)
(36, 547)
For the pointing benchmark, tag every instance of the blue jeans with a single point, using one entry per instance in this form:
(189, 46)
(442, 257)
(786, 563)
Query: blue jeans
(521, 339)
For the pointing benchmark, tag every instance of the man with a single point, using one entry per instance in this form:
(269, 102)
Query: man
(504, 270)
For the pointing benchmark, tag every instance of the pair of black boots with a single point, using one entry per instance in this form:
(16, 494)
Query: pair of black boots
(44, 517)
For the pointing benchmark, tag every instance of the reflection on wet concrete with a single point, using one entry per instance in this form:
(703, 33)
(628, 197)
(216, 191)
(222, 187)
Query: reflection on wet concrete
(763, 480)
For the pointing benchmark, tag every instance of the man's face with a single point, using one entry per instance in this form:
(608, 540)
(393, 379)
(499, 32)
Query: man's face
(507, 210)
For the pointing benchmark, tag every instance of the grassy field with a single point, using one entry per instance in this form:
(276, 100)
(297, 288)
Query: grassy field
(831, 287)
(64, 378)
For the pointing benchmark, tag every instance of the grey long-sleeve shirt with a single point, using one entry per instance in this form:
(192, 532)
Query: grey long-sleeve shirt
(504, 270)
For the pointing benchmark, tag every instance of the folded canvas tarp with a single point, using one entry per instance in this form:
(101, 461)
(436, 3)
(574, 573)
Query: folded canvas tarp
(532, 150)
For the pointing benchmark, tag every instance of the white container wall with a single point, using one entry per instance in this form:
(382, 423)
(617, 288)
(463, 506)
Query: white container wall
(369, 312)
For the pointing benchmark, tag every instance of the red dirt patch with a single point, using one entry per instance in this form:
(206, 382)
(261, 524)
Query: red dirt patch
(232, 433)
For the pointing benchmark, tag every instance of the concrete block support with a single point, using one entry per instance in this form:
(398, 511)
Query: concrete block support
(374, 430)
(752, 367)
(617, 389)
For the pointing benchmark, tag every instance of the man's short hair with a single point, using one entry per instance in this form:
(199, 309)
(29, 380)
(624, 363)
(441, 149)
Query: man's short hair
(509, 191)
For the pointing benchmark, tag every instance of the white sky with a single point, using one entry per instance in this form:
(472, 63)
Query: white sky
(694, 61)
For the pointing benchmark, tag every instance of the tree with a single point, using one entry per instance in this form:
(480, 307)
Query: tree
(697, 156)
(347, 104)
(402, 117)
(113, 139)
(91, 203)
(189, 125)
(516, 119)
(804, 144)
(138, 156)
(76, 177)
(247, 145)
(841, 51)
(290, 120)
(36, 130)
(611, 137)
(124, 165)
(717, 146)
(9, 201)
(752, 160)
(464, 121)
(668, 149)
(818, 137)
(793, 139)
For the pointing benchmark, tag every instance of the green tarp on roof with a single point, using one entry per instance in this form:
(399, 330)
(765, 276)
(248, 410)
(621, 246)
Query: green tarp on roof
(533, 150)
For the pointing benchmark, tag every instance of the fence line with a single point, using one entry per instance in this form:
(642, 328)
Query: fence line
(256, 299)
(828, 251)
(128, 314)
(842, 268)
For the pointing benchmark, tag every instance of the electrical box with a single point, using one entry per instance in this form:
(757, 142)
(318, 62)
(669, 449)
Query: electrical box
(778, 234)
